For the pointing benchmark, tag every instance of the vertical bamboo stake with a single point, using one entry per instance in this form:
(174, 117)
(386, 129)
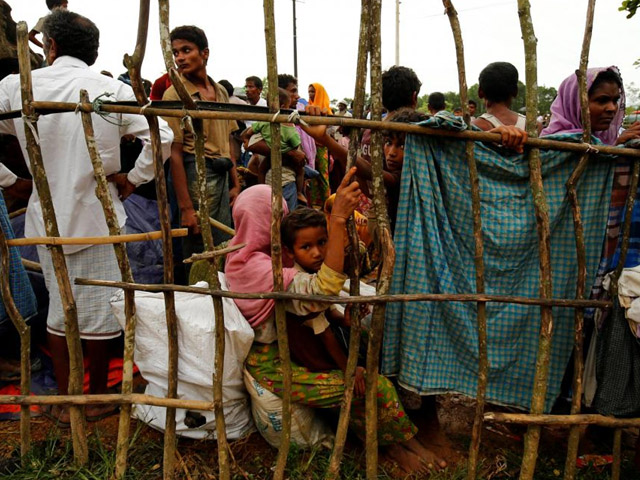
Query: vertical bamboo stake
(532, 438)
(578, 363)
(617, 454)
(387, 249)
(25, 345)
(134, 64)
(333, 469)
(276, 245)
(207, 237)
(103, 193)
(483, 360)
(72, 334)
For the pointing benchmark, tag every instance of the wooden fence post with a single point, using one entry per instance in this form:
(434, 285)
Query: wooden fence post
(72, 334)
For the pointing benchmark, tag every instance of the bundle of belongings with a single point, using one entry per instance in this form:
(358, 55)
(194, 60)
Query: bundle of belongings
(196, 353)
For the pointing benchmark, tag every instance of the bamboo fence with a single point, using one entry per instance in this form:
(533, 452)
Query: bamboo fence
(369, 49)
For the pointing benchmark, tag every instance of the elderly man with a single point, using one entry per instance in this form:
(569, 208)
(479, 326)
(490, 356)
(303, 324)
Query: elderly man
(71, 46)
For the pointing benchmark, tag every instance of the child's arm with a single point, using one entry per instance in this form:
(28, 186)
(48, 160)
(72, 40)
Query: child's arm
(33, 39)
(319, 134)
(330, 342)
(263, 168)
(333, 347)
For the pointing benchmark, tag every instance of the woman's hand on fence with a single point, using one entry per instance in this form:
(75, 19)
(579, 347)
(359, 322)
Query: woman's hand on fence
(512, 137)
(347, 197)
(631, 133)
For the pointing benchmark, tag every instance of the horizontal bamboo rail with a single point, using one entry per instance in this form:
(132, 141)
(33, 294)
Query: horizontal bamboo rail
(221, 226)
(561, 420)
(119, 399)
(373, 299)
(104, 240)
(541, 143)
(213, 254)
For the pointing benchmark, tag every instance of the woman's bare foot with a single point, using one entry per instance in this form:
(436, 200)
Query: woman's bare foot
(406, 460)
(98, 412)
(426, 455)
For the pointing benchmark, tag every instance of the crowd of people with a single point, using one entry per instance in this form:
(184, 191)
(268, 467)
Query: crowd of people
(319, 196)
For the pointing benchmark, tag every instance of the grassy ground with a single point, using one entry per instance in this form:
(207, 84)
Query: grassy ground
(52, 456)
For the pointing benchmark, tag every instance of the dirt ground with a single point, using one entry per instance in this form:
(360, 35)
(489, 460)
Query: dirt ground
(253, 457)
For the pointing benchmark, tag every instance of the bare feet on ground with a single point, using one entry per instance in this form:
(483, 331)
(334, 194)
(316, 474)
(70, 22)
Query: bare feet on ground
(426, 455)
(405, 459)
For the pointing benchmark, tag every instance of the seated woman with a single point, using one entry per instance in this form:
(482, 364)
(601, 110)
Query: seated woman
(498, 86)
(250, 270)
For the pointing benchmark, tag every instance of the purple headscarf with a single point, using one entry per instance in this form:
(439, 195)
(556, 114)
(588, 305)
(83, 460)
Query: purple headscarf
(565, 110)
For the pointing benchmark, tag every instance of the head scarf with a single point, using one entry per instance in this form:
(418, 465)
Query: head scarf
(249, 270)
(566, 114)
(321, 99)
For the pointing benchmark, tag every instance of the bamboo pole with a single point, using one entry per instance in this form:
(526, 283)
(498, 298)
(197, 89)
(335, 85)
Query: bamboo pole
(104, 195)
(561, 420)
(474, 181)
(372, 299)
(542, 143)
(207, 237)
(541, 376)
(221, 226)
(76, 368)
(24, 331)
(114, 398)
(578, 362)
(29, 265)
(276, 245)
(105, 240)
(386, 244)
(626, 227)
(134, 65)
(17, 213)
(617, 454)
(333, 470)
(214, 254)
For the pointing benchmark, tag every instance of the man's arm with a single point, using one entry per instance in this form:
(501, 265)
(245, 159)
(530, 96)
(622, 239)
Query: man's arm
(33, 39)
(13, 185)
(319, 133)
(188, 216)
(234, 182)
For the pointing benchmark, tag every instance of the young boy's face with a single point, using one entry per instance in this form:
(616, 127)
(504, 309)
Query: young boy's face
(394, 152)
(188, 57)
(310, 248)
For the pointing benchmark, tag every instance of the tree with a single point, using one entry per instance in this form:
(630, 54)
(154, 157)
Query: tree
(630, 6)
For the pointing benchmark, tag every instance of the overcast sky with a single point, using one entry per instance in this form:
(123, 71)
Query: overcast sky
(328, 38)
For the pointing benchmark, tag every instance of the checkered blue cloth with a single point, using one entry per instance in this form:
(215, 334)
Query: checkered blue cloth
(433, 346)
(21, 290)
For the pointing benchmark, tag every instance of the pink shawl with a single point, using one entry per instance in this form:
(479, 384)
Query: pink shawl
(248, 270)
(566, 114)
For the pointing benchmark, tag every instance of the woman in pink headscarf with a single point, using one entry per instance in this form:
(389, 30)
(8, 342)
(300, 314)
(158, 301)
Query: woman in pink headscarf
(249, 270)
(606, 107)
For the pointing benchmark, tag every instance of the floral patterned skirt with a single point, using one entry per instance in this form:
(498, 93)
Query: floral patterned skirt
(320, 189)
(325, 390)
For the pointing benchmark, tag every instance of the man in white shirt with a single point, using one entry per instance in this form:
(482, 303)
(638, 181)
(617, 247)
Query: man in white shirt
(71, 45)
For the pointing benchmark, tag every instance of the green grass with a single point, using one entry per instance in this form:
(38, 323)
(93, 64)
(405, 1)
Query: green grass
(52, 459)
